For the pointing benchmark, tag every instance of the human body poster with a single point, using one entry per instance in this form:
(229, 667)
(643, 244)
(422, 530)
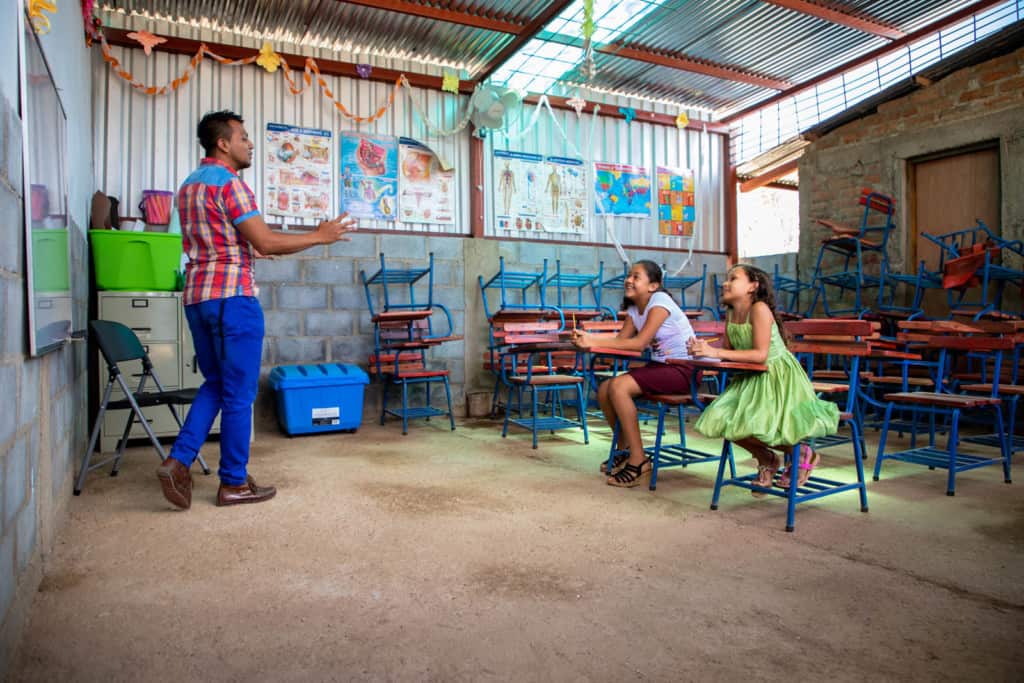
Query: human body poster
(517, 176)
(298, 177)
(563, 205)
(426, 193)
(622, 190)
(369, 176)
(676, 211)
(537, 193)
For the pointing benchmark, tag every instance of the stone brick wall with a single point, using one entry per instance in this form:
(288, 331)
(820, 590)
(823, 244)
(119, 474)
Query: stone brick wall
(980, 103)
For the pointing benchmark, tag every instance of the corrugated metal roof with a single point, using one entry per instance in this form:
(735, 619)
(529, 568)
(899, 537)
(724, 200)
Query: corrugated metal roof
(1003, 42)
(754, 37)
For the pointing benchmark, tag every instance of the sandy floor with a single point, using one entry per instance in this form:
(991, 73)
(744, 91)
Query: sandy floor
(464, 557)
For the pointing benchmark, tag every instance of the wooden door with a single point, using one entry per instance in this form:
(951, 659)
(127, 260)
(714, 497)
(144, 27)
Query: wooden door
(950, 193)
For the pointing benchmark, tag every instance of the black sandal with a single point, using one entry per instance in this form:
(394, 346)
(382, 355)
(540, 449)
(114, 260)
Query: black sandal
(630, 475)
(617, 462)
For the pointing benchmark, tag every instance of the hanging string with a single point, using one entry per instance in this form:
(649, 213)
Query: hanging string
(430, 125)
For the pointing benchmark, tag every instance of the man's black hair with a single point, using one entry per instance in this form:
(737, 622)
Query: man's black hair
(214, 126)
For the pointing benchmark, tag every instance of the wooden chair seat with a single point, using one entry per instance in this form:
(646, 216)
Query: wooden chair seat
(680, 399)
(414, 374)
(543, 380)
(1010, 389)
(929, 398)
(898, 381)
(829, 387)
(977, 377)
(829, 374)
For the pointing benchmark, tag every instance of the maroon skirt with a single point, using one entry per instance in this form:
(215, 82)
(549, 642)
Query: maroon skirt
(662, 378)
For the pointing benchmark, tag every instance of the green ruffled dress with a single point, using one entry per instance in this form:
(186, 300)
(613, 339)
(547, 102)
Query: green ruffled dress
(777, 407)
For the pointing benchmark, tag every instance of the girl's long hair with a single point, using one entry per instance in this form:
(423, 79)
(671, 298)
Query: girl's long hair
(765, 292)
(654, 274)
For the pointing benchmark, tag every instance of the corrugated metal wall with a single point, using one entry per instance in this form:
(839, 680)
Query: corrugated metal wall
(148, 142)
(638, 144)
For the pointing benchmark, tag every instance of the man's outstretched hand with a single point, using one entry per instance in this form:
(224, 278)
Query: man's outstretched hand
(335, 230)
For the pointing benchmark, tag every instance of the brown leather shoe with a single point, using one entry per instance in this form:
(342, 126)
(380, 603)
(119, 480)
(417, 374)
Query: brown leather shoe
(248, 492)
(176, 481)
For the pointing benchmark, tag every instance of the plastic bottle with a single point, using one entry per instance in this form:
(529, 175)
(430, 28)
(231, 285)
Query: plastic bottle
(174, 226)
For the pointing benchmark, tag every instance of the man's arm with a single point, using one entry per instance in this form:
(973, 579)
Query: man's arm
(270, 243)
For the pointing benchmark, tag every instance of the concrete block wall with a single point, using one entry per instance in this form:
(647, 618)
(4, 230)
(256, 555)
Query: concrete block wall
(316, 310)
(43, 429)
(973, 105)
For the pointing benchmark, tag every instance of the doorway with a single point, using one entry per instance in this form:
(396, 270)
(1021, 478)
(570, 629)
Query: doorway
(950, 191)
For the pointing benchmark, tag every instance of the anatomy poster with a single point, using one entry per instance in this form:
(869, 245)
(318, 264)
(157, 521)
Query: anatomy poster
(563, 202)
(298, 177)
(537, 193)
(426, 193)
(516, 176)
(622, 190)
(676, 211)
(369, 176)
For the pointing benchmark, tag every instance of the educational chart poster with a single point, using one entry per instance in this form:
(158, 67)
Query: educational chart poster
(537, 193)
(517, 176)
(369, 176)
(298, 172)
(426, 194)
(622, 190)
(676, 212)
(563, 205)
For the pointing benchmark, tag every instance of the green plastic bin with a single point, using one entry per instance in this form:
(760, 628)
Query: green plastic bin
(136, 261)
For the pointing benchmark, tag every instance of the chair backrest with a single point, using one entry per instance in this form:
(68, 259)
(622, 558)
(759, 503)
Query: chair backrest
(116, 341)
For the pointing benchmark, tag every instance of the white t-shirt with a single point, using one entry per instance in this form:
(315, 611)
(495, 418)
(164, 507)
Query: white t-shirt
(671, 338)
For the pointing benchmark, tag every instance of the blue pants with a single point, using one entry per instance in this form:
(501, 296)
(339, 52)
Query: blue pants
(228, 338)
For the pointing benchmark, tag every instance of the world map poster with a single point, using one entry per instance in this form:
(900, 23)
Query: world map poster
(369, 176)
(297, 167)
(622, 190)
(676, 211)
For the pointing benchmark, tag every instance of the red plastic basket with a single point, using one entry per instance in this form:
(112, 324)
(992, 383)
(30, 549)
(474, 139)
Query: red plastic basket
(156, 206)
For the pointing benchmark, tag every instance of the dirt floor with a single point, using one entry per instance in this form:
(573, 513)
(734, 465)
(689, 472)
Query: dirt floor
(461, 556)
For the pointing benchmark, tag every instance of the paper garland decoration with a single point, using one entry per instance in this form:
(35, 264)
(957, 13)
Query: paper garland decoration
(450, 83)
(682, 120)
(36, 9)
(628, 113)
(268, 59)
(577, 103)
(147, 40)
(364, 70)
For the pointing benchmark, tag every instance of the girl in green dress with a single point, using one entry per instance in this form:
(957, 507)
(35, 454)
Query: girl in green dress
(767, 411)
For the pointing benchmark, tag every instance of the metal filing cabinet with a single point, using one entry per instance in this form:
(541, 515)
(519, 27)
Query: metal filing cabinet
(159, 322)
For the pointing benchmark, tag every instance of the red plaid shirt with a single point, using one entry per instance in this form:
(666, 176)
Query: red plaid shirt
(211, 202)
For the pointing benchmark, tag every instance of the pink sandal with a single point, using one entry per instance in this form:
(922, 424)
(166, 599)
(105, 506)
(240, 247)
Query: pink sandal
(809, 459)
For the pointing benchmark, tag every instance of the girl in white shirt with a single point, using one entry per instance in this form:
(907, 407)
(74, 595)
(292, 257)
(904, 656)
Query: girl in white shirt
(653, 320)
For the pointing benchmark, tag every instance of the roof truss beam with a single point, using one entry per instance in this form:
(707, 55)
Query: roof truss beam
(439, 14)
(836, 17)
(683, 63)
(771, 176)
(528, 33)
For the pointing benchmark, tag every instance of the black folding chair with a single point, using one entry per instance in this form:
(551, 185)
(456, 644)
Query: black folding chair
(118, 344)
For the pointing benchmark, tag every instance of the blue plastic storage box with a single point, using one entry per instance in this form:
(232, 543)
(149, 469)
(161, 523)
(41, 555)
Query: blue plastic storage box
(322, 397)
